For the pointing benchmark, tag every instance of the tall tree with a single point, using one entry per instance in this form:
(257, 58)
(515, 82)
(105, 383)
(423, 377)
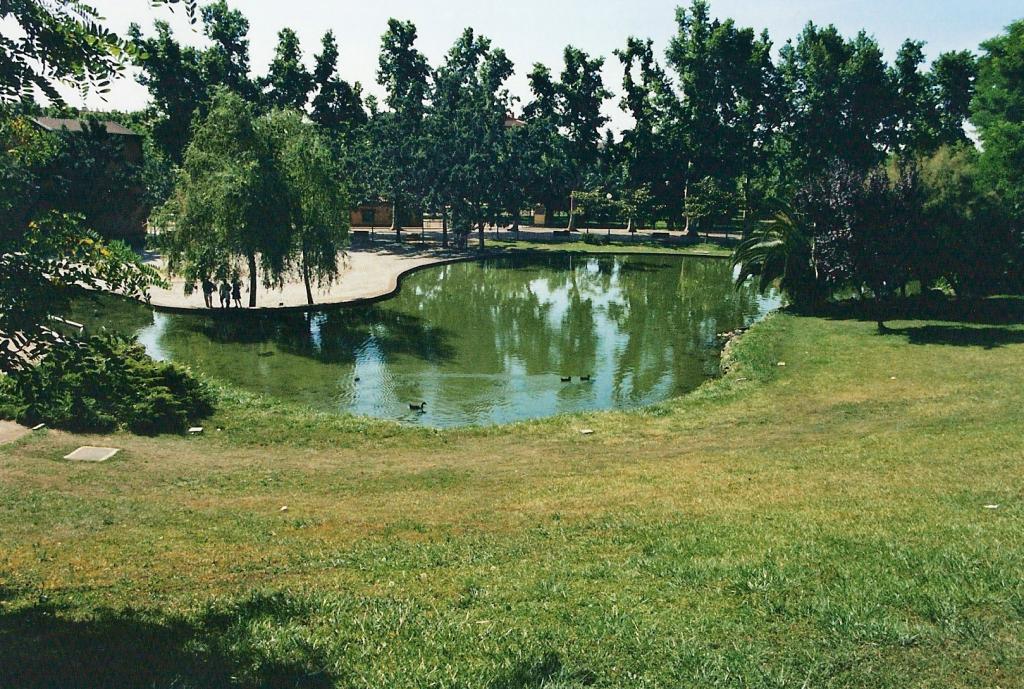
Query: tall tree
(998, 113)
(175, 78)
(645, 158)
(337, 105)
(288, 82)
(952, 80)
(226, 61)
(728, 108)
(549, 172)
(397, 135)
(570, 111)
(915, 113)
(840, 100)
(229, 204)
(582, 95)
(182, 78)
(468, 131)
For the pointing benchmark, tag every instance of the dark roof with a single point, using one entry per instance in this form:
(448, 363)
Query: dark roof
(55, 124)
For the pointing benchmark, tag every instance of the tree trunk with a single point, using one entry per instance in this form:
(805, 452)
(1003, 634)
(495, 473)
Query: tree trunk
(444, 227)
(687, 229)
(305, 279)
(480, 233)
(746, 208)
(252, 280)
(396, 223)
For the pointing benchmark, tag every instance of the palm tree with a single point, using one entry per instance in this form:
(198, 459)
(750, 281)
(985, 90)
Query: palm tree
(779, 251)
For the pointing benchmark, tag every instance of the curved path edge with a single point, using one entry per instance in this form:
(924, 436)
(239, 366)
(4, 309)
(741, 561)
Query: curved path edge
(378, 276)
(387, 281)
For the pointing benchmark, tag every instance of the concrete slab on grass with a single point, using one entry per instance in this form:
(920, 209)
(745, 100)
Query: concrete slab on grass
(92, 454)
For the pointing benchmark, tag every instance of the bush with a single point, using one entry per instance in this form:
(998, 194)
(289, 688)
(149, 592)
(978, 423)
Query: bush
(103, 383)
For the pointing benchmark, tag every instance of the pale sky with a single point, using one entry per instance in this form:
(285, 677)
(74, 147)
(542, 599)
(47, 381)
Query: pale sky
(537, 30)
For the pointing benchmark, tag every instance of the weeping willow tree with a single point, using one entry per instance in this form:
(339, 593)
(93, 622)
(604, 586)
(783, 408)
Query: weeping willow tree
(230, 205)
(316, 194)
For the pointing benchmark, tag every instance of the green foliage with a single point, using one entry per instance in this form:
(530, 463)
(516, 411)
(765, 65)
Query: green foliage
(226, 62)
(90, 176)
(707, 200)
(974, 248)
(230, 209)
(840, 98)
(395, 165)
(953, 81)
(103, 383)
(998, 112)
(288, 81)
(779, 251)
(174, 76)
(181, 79)
(466, 133)
(60, 42)
(337, 105)
(317, 199)
(726, 120)
(45, 255)
(566, 119)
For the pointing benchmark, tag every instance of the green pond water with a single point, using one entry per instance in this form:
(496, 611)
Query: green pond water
(480, 342)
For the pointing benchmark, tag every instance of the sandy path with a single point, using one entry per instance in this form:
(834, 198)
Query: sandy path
(367, 275)
(10, 431)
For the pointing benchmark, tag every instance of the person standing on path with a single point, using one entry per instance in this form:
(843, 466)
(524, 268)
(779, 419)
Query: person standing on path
(208, 289)
(225, 294)
(236, 292)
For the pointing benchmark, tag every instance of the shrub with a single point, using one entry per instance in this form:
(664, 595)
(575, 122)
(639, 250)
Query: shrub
(105, 382)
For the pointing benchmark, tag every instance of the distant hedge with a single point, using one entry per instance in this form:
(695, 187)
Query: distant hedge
(103, 383)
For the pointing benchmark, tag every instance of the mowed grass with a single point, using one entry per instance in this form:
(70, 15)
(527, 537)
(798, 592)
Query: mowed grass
(827, 523)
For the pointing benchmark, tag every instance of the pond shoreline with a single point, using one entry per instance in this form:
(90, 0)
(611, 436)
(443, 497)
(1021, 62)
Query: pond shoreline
(374, 276)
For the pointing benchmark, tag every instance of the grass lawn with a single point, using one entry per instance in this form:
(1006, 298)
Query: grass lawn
(818, 524)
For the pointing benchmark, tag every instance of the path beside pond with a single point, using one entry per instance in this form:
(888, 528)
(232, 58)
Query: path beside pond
(368, 274)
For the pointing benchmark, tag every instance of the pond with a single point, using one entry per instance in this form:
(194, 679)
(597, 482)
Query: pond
(480, 342)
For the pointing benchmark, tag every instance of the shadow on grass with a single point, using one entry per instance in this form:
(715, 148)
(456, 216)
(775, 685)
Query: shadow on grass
(1003, 310)
(959, 321)
(544, 672)
(40, 648)
(959, 336)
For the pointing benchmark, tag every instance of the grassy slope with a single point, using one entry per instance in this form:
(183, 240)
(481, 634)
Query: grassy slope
(818, 524)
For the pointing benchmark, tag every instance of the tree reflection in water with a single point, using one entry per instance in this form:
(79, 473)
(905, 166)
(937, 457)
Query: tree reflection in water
(480, 342)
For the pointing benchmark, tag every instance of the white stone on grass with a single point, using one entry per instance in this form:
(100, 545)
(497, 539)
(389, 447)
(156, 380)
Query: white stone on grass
(92, 454)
